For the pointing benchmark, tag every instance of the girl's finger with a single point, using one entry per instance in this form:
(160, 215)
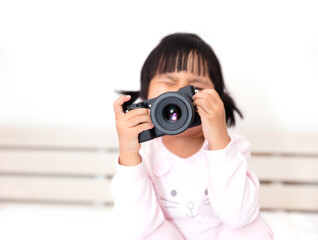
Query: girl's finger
(204, 104)
(215, 94)
(208, 96)
(138, 119)
(202, 111)
(143, 126)
(118, 105)
(138, 111)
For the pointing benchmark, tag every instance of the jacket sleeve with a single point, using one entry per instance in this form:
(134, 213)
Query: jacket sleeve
(136, 212)
(233, 190)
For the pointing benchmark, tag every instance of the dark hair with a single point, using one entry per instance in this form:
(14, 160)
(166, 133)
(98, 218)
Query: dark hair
(172, 54)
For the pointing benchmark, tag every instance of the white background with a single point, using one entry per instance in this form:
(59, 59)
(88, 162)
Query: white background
(60, 61)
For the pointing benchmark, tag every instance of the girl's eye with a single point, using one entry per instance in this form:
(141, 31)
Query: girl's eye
(173, 193)
(168, 83)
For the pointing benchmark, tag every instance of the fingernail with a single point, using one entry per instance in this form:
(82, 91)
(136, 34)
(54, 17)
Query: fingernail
(127, 96)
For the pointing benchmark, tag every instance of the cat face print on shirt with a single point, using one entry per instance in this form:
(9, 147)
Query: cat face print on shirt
(191, 208)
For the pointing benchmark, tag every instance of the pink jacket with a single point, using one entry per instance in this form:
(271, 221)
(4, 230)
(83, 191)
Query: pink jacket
(197, 194)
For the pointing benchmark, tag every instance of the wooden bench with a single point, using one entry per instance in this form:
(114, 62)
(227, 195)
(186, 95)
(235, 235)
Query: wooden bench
(70, 165)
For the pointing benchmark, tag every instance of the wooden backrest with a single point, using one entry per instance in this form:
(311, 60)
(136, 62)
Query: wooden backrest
(57, 165)
(287, 167)
(75, 166)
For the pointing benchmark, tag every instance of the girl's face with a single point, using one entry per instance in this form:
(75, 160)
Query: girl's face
(172, 81)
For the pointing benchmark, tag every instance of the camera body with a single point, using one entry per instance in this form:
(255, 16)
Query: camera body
(171, 113)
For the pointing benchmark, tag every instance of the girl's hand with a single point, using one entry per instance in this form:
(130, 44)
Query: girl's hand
(128, 127)
(211, 110)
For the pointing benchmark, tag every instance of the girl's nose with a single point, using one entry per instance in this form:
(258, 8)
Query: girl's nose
(190, 205)
(183, 83)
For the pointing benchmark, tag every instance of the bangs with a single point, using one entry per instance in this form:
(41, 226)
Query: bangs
(176, 61)
(177, 54)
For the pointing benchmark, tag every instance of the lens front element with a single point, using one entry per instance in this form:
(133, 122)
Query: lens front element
(171, 113)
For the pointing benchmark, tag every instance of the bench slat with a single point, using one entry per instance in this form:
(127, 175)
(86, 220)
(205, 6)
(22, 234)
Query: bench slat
(59, 137)
(282, 142)
(58, 162)
(106, 137)
(289, 169)
(289, 197)
(55, 189)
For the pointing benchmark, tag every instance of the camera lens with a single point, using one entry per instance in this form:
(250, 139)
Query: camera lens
(172, 113)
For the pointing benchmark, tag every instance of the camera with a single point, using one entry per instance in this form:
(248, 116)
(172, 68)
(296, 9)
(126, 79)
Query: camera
(171, 113)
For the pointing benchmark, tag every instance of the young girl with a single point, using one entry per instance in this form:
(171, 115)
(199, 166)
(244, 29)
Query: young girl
(194, 185)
